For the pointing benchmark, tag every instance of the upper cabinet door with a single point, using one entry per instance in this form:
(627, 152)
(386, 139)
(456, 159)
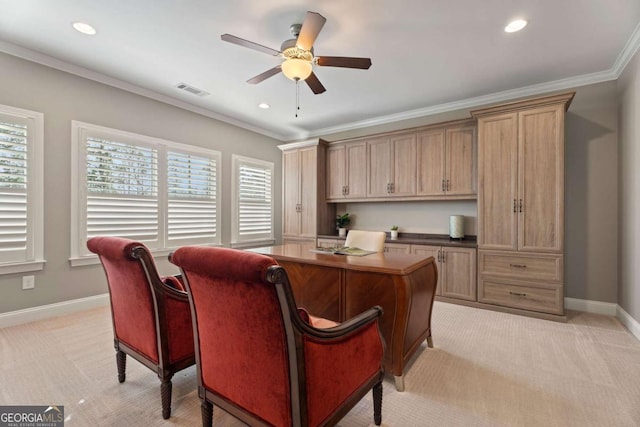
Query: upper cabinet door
(356, 173)
(404, 165)
(498, 176)
(291, 193)
(308, 191)
(460, 167)
(431, 149)
(541, 179)
(336, 171)
(379, 174)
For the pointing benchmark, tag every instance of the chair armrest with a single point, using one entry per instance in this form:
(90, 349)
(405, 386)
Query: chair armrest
(342, 330)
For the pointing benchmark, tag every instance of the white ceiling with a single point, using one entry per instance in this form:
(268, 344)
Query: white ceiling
(428, 55)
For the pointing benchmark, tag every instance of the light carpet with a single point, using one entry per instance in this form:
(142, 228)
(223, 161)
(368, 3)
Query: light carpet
(487, 369)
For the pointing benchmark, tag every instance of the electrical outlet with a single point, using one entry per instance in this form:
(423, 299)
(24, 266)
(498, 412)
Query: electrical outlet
(28, 282)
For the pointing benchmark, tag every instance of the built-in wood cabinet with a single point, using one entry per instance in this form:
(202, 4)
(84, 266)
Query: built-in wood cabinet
(397, 248)
(447, 161)
(346, 176)
(456, 270)
(436, 162)
(305, 213)
(391, 166)
(521, 204)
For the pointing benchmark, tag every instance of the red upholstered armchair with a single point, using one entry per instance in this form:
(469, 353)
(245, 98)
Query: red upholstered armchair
(260, 358)
(151, 315)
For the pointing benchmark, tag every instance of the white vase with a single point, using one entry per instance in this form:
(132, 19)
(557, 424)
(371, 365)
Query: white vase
(342, 232)
(394, 234)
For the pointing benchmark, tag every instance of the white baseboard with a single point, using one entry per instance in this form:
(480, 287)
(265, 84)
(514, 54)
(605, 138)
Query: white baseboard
(629, 322)
(596, 307)
(52, 310)
(607, 309)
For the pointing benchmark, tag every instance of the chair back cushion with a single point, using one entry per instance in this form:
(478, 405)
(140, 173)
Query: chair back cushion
(367, 240)
(130, 294)
(240, 331)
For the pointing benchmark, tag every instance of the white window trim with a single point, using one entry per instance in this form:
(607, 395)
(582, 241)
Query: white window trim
(235, 225)
(35, 190)
(78, 136)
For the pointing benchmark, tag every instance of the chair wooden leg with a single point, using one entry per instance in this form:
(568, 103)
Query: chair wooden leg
(207, 413)
(121, 362)
(165, 392)
(377, 403)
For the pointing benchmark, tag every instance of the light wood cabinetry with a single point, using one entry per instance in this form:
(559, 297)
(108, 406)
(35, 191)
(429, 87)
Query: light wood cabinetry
(329, 243)
(305, 213)
(397, 248)
(391, 166)
(346, 171)
(521, 204)
(436, 162)
(447, 161)
(456, 270)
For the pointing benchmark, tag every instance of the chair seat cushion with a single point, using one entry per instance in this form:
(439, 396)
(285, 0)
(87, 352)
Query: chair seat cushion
(174, 282)
(321, 323)
(316, 322)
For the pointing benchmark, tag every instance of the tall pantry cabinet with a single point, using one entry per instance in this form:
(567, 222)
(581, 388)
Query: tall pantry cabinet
(305, 211)
(521, 204)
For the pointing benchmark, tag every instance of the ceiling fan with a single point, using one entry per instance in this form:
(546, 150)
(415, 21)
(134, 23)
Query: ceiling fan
(298, 54)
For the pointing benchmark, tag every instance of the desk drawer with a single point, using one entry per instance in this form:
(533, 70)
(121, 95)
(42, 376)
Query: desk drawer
(542, 267)
(546, 298)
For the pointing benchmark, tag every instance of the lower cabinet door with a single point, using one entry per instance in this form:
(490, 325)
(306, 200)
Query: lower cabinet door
(458, 272)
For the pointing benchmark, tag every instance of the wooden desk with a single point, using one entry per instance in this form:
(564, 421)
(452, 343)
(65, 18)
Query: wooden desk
(338, 287)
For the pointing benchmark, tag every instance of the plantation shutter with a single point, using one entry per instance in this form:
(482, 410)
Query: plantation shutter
(192, 199)
(14, 224)
(122, 190)
(255, 206)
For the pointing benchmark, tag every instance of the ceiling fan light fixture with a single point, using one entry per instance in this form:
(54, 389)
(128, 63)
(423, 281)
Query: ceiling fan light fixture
(297, 69)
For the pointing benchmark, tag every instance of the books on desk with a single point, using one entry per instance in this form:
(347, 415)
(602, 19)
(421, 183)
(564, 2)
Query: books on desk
(345, 250)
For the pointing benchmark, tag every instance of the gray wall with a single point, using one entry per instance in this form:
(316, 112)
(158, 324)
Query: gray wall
(63, 97)
(591, 194)
(629, 127)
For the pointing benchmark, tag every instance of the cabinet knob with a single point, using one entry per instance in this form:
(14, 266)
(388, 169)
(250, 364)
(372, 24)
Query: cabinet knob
(515, 206)
(448, 186)
(518, 265)
(443, 186)
(520, 205)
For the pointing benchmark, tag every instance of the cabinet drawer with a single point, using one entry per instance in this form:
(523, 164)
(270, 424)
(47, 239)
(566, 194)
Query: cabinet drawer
(546, 298)
(542, 267)
(399, 248)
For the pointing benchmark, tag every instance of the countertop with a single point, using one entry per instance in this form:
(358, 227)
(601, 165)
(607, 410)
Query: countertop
(421, 239)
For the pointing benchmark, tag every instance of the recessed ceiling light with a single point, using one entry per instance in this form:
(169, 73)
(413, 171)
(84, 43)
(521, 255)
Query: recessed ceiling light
(516, 25)
(264, 105)
(84, 28)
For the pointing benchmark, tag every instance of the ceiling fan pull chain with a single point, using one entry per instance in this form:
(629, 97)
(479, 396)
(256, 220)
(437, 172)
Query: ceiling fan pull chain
(297, 96)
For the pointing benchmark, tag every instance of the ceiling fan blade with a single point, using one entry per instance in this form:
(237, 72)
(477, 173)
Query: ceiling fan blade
(313, 23)
(251, 45)
(344, 61)
(264, 76)
(315, 84)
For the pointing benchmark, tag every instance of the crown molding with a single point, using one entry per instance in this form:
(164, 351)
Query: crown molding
(627, 52)
(49, 61)
(494, 98)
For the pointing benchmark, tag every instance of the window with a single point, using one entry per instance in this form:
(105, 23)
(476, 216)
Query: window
(252, 208)
(159, 192)
(21, 193)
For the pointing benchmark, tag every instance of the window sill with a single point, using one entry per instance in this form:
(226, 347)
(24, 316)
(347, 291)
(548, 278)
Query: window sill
(22, 267)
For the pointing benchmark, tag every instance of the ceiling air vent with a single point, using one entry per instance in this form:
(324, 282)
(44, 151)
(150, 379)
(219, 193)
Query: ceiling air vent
(191, 89)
